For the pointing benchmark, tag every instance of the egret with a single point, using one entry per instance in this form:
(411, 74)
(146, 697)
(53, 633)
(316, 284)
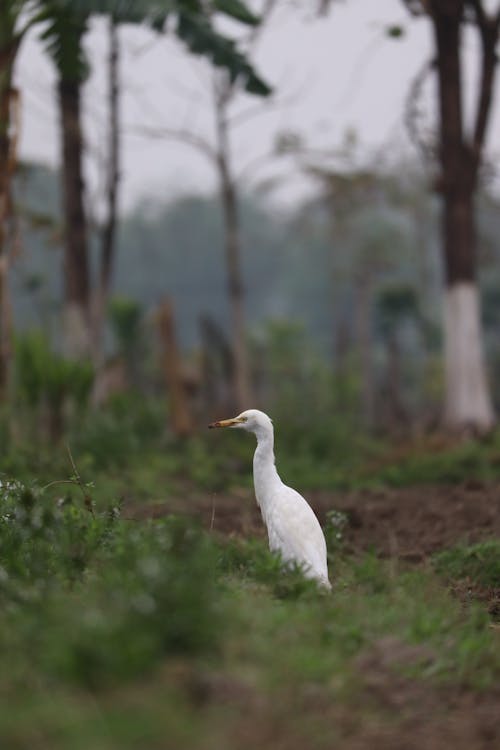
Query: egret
(293, 529)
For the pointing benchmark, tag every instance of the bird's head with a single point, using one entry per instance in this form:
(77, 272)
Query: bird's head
(251, 420)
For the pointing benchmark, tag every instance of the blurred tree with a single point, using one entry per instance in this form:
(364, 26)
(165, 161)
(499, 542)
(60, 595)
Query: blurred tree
(15, 21)
(366, 242)
(226, 86)
(64, 25)
(180, 415)
(49, 384)
(468, 400)
(63, 32)
(126, 316)
(108, 230)
(395, 305)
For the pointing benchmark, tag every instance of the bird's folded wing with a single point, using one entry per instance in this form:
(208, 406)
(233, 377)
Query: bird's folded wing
(295, 532)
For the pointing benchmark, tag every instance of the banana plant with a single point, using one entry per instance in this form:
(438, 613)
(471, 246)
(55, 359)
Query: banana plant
(192, 21)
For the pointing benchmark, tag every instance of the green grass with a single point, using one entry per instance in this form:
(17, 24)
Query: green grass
(113, 633)
(478, 562)
(117, 634)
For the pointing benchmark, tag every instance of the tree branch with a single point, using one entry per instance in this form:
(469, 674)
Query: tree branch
(181, 136)
(273, 103)
(412, 112)
(488, 27)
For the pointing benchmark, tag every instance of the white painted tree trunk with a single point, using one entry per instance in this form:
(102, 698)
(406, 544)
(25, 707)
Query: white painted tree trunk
(467, 399)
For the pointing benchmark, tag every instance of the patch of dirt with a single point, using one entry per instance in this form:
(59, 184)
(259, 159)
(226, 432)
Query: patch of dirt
(409, 523)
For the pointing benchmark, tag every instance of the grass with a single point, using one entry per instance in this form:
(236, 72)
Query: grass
(157, 634)
(479, 563)
(127, 445)
(117, 634)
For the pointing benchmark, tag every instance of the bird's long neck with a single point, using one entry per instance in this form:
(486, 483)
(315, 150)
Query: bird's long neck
(265, 475)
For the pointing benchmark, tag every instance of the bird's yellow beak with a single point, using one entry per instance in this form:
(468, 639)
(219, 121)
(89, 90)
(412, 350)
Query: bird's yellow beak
(227, 422)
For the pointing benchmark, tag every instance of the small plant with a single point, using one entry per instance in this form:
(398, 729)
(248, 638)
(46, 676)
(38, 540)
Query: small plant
(41, 539)
(336, 523)
(49, 384)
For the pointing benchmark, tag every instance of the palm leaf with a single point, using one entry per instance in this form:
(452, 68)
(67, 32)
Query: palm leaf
(236, 9)
(62, 32)
(193, 26)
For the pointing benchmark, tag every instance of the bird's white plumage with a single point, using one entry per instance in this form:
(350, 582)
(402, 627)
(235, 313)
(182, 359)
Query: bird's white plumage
(292, 527)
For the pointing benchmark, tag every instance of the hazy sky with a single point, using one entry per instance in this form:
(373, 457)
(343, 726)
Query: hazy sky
(333, 74)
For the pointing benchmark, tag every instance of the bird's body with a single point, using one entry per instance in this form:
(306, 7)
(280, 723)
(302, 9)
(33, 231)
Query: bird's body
(293, 529)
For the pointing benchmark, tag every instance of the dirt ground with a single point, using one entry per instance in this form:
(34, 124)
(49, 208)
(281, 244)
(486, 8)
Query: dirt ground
(395, 713)
(409, 523)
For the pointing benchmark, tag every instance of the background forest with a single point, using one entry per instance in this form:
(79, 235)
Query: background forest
(357, 288)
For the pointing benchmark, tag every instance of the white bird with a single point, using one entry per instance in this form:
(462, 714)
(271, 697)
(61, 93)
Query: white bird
(292, 527)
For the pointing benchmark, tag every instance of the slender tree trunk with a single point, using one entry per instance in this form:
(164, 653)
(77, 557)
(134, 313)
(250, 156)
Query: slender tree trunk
(395, 409)
(113, 176)
(77, 323)
(232, 242)
(4, 193)
(468, 401)
(365, 345)
(180, 415)
(7, 165)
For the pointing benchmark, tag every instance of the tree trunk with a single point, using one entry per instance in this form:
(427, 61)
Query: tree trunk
(395, 409)
(468, 402)
(217, 367)
(467, 398)
(180, 415)
(4, 197)
(112, 180)
(7, 165)
(232, 243)
(77, 324)
(365, 345)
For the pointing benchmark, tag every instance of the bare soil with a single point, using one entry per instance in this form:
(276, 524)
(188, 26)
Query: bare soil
(410, 523)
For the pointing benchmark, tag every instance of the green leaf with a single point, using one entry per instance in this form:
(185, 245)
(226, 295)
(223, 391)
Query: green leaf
(194, 28)
(236, 9)
(62, 33)
(395, 32)
(196, 31)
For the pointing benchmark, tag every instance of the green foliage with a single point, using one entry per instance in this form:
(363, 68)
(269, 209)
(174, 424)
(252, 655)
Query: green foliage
(125, 317)
(478, 562)
(96, 599)
(41, 540)
(193, 25)
(395, 304)
(62, 34)
(41, 374)
(136, 617)
(153, 596)
(126, 429)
